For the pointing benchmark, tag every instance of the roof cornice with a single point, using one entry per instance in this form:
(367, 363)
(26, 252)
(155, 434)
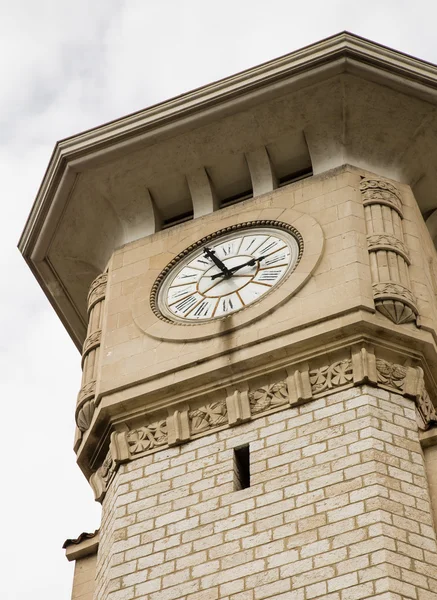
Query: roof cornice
(127, 131)
(101, 146)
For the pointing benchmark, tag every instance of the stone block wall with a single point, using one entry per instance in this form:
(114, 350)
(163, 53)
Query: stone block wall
(83, 580)
(338, 508)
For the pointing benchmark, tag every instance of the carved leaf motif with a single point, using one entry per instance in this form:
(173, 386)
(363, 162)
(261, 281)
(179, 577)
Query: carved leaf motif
(331, 376)
(148, 437)
(107, 469)
(384, 239)
(375, 189)
(391, 374)
(210, 415)
(391, 288)
(270, 395)
(427, 410)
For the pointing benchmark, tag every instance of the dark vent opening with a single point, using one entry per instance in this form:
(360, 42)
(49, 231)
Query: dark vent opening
(237, 198)
(297, 176)
(177, 220)
(241, 468)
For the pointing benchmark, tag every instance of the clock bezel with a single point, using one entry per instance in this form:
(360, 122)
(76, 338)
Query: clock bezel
(189, 252)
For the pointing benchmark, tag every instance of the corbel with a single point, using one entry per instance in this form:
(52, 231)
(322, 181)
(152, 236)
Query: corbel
(414, 383)
(119, 447)
(238, 405)
(178, 427)
(299, 385)
(364, 365)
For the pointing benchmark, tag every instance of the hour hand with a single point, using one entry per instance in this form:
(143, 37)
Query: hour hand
(250, 263)
(211, 254)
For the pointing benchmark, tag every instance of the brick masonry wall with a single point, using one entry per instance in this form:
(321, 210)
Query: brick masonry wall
(338, 509)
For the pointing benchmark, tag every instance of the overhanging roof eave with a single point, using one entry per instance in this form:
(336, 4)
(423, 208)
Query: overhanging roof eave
(341, 49)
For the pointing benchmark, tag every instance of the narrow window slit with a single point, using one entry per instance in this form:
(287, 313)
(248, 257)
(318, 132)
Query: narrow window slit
(241, 468)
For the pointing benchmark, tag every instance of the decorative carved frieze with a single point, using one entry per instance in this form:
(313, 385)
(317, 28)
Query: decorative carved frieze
(389, 258)
(358, 365)
(390, 374)
(148, 437)
(208, 416)
(338, 374)
(268, 396)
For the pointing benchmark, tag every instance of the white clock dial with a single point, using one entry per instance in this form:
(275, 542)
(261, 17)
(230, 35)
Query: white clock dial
(227, 274)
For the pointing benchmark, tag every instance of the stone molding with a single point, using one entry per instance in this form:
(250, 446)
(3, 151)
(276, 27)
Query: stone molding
(389, 257)
(304, 382)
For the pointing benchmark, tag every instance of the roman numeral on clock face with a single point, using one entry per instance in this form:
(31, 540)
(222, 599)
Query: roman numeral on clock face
(187, 275)
(269, 246)
(269, 276)
(251, 242)
(204, 309)
(227, 305)
(184, 306)
(180, 291)
(227, 249)
(277, 258)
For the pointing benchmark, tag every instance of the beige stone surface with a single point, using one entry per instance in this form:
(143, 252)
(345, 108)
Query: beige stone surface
(84, 578)
(338, 508)
(336, 283)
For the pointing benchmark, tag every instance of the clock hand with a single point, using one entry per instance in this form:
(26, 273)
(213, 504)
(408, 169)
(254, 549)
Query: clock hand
(231, 271)
(211, 254)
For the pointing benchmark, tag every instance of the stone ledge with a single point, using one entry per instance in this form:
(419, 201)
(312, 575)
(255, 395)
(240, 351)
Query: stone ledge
(85, 545)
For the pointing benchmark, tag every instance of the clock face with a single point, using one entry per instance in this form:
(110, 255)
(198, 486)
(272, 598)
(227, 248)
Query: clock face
(227, 274)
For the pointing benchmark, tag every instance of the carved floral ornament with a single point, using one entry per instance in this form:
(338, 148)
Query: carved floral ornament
(302, 384)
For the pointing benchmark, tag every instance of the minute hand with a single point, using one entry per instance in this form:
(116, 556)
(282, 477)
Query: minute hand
(211, 254)
(249, 263)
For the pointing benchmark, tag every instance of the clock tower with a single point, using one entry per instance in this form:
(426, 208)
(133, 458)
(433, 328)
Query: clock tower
(249, 274)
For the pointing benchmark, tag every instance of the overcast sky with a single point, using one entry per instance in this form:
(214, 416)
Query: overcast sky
(64, 67)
